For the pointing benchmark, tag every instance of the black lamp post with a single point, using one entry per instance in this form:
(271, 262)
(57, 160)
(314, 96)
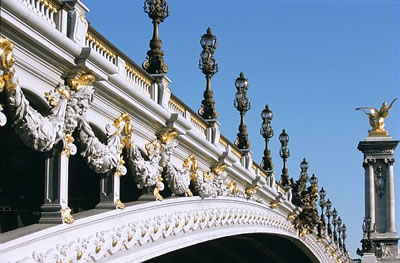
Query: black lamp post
(322, 204)
(284, 153)
(335, 214)
(157, 11)
(267, 132)
(344, 236)
(339, 222)
(314, 181)
(328, 215)
(242, 104)
(209, 67)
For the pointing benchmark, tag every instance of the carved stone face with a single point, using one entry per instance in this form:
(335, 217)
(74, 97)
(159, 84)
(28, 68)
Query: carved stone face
(77, 107)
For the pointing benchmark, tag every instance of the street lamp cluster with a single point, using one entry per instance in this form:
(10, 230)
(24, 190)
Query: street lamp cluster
(304, 197)
(338, 235)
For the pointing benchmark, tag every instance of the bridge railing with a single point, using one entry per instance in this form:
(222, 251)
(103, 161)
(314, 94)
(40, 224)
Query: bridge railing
(45, 9)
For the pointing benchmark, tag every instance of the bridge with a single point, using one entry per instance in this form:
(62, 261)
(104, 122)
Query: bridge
(118, 169)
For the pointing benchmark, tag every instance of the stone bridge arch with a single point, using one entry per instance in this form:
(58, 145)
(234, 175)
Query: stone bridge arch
(151, 229)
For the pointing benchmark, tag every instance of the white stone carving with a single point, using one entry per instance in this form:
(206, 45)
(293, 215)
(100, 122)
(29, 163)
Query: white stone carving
(108, 242)
(38, 132)
(100, 158)
(211, 184)
(147, 173)
(178, 180)
(3, 118)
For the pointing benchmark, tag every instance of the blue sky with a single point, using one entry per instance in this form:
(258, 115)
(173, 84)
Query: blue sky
(313, 62)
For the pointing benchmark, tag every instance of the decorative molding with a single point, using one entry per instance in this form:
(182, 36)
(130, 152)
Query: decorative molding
(108, 242)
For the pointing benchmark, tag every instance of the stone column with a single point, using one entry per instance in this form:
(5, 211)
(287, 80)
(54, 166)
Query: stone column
(55, 209)
(391, 222)
(370, 192)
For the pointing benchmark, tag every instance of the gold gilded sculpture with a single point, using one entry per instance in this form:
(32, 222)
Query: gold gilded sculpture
(377, 119)
(78, 82)
(6, 65)
(165, 136)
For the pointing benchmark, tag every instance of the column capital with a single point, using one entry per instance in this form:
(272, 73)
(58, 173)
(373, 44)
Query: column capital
(377, 148)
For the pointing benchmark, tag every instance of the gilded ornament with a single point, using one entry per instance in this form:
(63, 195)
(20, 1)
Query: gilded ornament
(119, 204)
(156, 191)
(82, 81)
(218, 169)
(69, 149)
(151, 146)
(251, 190)
(98, 248)
(377, 119)
(232, 186)
(66, 215)
(114, 243)
(79, 255)
(292, 216)
(130, 236)
(275, 204)
(168, 135)
(6, 49)
(192, 163)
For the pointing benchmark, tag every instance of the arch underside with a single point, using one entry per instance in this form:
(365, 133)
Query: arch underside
(153, 230)
(253, 247)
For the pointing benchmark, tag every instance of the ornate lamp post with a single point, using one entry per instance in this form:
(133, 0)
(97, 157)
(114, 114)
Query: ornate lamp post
(322, 203)
(339, 222)
(329, 214)
(157, 11)
(335, 214)
(267, 132)
(242, 104)
(344, 236)
(284, 153)
(304, 168)
(314, 181)
(209, 67)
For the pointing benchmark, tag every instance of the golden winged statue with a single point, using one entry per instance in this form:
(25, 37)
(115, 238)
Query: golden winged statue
(377, 118)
